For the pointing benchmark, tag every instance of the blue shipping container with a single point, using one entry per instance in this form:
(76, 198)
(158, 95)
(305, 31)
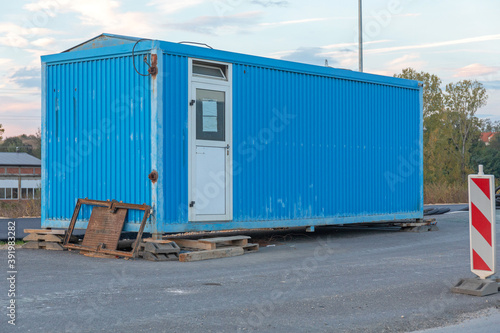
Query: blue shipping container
(236, 141)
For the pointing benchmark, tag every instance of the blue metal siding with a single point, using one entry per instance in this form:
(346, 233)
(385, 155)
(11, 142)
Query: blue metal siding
(341, 147)
(175, 164)
(97, 135)
(349, 151)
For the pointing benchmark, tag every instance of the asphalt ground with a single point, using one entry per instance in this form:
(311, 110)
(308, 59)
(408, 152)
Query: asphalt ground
(334, 280)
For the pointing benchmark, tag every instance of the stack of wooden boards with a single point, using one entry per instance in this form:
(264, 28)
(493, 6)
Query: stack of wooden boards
(168, 249)
(47, 239)
(186, 250)
(213, 248)
(158, 250)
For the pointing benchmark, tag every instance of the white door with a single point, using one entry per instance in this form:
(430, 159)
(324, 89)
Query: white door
(210, 197)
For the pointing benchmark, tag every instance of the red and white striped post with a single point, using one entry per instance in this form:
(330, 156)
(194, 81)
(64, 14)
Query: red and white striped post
(482, 224)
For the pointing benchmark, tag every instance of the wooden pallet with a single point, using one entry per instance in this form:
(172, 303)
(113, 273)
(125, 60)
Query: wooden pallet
(45, 231)
(211, 254)
(159, 251)
(43, 245)
(251, 247)
(211, 243)
(214, 248)
(45, 239)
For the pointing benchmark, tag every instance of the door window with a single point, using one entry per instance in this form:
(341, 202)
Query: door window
(210, 115)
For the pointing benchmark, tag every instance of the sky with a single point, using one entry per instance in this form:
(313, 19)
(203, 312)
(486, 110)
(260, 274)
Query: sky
(454, 39)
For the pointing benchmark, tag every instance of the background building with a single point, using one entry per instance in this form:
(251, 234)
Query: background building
(20, 176)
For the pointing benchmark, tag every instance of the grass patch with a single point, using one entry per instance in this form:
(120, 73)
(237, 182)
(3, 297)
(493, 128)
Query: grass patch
(18, 242)
(445, 193)
(16, 209)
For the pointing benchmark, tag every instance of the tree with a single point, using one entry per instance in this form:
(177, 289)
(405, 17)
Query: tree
(488, 156)
(436, 168)
(462, 100)
(451, 129)
(1, 132)
(23, 143)
(433, 95)
(488, 126)
(37, 144)
(14, 144)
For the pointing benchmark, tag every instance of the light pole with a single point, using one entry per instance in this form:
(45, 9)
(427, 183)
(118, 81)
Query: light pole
(360, 32)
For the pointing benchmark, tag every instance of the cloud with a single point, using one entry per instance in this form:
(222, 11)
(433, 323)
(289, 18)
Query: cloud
(105, 14)
(396, 65)
(172, 6)
(341, 50)
(493, 85)
(210, 24)
(309, 55)
(346, 54)
(266, 24)
(43, 42)
(474, 70)
(14, 35)
(436, 44)
(408, 60)
(20, 114)
(317, 19)
(27, 77)
(344, 47)
(271, 3)
(4, 62)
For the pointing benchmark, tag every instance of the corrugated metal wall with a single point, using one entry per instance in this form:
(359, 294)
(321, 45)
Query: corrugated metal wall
(97, 134)
(308, 146)
(305, 146)
(175, 136)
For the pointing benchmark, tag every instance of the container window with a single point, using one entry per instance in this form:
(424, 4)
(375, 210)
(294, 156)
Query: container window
(15, 194)
(210, 111)
(210, 70)
(24, 193)
(2, 193)
(8, 193)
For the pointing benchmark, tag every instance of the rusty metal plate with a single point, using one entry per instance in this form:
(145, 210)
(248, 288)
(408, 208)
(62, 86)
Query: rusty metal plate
(104, 228)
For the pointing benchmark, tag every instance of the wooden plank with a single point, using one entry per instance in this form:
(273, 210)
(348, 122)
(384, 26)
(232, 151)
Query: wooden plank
(31, 245)
(105, 251)
(98, 255)
(159, 241)
(211, 254)
(159, 257)
(251, 247)
(43, 237)
(193, 244)
(44, 231)
(230, 240)
(223, 239)
(160, 248)
(52, 246)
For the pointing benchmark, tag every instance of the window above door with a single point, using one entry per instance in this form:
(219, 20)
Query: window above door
(209, 70)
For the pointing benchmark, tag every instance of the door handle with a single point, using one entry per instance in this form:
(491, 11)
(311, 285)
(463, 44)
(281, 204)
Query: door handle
(227, 149)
